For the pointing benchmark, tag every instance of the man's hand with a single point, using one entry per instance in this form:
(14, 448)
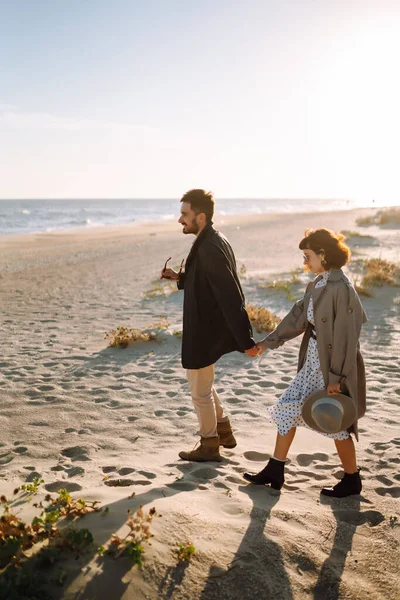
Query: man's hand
(169, 274)
(333, 388)
(252, 352)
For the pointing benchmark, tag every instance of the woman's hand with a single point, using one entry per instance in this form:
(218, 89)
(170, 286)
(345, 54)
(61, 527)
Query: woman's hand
(262, 346)
(333, 388)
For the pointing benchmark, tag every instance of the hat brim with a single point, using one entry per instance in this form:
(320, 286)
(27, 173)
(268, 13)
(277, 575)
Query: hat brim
(349, 410)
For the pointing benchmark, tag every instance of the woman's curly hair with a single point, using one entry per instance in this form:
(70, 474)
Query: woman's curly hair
(335, 253)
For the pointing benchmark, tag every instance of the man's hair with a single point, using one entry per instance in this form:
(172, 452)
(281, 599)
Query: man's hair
(200, 202)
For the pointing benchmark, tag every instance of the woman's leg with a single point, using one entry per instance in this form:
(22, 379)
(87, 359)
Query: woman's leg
(283, 443)
(347, 454)
(351, 483)
(273, 472)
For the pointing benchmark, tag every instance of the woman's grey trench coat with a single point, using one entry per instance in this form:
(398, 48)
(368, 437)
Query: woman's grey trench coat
(338, 315)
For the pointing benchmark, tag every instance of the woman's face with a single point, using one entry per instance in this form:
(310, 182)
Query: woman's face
(313, 261)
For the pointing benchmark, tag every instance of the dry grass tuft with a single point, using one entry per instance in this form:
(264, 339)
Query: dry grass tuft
(160, 289)
(379, 272)
(389, 216)
(361, 290)
(262, 318)
(122, 336)
(283, 285)
(366, 221)
(350, 234)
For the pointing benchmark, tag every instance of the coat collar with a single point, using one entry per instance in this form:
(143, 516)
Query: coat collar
(334, 275)
(208, 230)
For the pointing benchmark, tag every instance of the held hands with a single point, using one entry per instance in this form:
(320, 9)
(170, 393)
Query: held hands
(333, 388)
(254, 351)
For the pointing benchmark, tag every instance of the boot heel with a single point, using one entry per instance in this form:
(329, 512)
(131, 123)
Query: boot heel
(272, 474)
(276, 486)
(229, 445)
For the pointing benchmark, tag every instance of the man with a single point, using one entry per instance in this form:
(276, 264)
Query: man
(215, 320)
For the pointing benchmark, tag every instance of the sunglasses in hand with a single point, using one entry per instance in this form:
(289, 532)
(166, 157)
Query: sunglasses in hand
(165, 266)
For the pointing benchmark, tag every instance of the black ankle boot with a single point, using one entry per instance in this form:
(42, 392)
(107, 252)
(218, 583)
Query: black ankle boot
(347, 486)
(272, 474)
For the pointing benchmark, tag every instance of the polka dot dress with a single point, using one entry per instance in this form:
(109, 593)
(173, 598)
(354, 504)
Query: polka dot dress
(286, 413)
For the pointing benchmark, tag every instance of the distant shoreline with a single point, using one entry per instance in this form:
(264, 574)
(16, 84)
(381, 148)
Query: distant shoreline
(90, 226)
(163, 227)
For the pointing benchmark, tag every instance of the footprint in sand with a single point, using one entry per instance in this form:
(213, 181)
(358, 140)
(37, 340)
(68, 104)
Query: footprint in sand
(245, 412)
(32, 476)
(266, 384)
(183, 485)
(5, 458)
(304, 460)
(76, 453)
(205, 473)
(233, 400)
(148, 474)
(74, 471)
(240, 392)
(385, 480)
(109, 469)
(234, 479)
(70, 486)
(223, 486)
(392, 491)
(161, 413)
(125, 470)
(305, 475)
(256, 456)
(232, 509)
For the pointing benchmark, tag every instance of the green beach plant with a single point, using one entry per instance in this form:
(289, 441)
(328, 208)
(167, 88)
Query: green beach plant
(185, 551)
(131, 544)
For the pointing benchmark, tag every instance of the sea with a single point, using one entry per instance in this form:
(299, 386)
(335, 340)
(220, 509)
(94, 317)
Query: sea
(46, 216)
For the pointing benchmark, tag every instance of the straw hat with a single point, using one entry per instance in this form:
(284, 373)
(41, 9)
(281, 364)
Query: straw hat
(329, 413)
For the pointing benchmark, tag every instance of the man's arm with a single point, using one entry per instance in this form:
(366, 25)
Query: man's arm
(227, 294)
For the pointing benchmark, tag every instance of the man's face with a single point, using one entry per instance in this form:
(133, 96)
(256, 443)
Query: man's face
(188, 219)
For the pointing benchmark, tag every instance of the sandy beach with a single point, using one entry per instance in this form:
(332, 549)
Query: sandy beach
(85, 417)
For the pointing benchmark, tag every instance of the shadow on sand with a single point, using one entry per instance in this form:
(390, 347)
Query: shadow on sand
(257, 570)
(348, 517)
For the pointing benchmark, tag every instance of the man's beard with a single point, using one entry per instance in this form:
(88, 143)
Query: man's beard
(191, 227)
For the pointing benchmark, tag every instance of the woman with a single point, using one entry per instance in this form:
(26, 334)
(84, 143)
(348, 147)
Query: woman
(330, 315)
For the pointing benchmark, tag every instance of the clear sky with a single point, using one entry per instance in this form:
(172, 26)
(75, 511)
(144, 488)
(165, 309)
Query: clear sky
(248, 98)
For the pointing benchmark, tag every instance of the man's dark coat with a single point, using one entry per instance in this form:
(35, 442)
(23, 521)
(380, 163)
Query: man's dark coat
(215, 320)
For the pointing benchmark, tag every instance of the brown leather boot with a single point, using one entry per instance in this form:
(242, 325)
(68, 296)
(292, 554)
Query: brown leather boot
(208, 450)
(226, 437)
